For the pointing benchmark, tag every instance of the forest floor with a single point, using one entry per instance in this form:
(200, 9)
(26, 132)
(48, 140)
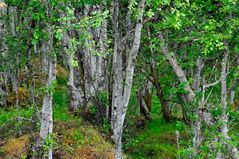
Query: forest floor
(75, 138)
(156, 141)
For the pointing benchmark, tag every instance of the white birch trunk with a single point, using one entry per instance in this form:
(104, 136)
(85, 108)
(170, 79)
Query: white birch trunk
(197, 127)
(224, 131)
(224, 96)
(197, 76)
(122, 90)
(101, 61)
(46, 118)
(76, 94)
(232, 95)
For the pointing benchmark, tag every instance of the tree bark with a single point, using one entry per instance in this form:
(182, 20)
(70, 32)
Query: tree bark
(145, 100)
(197, 76)
(170, 57)
(122, 88)
(46, 118)
(224, 119)
(159, 91)
(76, 94)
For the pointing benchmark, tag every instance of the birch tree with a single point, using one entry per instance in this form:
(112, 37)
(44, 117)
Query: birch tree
(224, 118)
(46, 119)
(76, 93)
(3, 50)
(122, 87)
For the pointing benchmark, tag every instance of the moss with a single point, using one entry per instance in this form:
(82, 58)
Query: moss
(23, 96)
(36, 63)
(78, 140)
(16, 147)
(86, 152)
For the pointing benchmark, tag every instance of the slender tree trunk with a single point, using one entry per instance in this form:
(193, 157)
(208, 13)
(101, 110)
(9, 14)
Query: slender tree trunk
(122, 88)
(3, 50)
(46, 119)
(15, 69)
(232, 95)
(197, 76)
(117, 86)
(224, 132)
(177, 69)
(110, 90)
(76, 94)
(159, 91)
(197, 126)
(144, 99)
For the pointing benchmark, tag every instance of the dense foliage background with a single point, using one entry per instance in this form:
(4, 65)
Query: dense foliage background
(91, 79)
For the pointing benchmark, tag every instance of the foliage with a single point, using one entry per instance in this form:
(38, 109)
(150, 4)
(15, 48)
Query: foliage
(175, 36)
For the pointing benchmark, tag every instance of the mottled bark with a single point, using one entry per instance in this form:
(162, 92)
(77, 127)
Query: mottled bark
(122, 87)
(3, 51)
(144, 99)
(76, 94)
(170, 57)
(224, 95)
(46, 118)
(197, 139)
(93, 61)
(232, 95)
(197, 76)
(117, 86)
(224, 119)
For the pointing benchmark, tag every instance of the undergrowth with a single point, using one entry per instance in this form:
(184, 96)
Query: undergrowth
(156, 140)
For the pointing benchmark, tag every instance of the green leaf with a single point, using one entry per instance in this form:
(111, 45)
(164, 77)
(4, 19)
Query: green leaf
(35, 17)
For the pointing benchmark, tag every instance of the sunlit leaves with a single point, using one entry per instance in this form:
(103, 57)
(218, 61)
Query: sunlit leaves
(150, 13)
(59, 33)
(38, 35)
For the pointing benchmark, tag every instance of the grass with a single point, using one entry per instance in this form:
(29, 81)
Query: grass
(61, 102)
(8, 117)
(156, 141)
(5, 115)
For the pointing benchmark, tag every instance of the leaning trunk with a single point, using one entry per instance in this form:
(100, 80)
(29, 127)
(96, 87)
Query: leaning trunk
(159, 91)
(176, 68)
